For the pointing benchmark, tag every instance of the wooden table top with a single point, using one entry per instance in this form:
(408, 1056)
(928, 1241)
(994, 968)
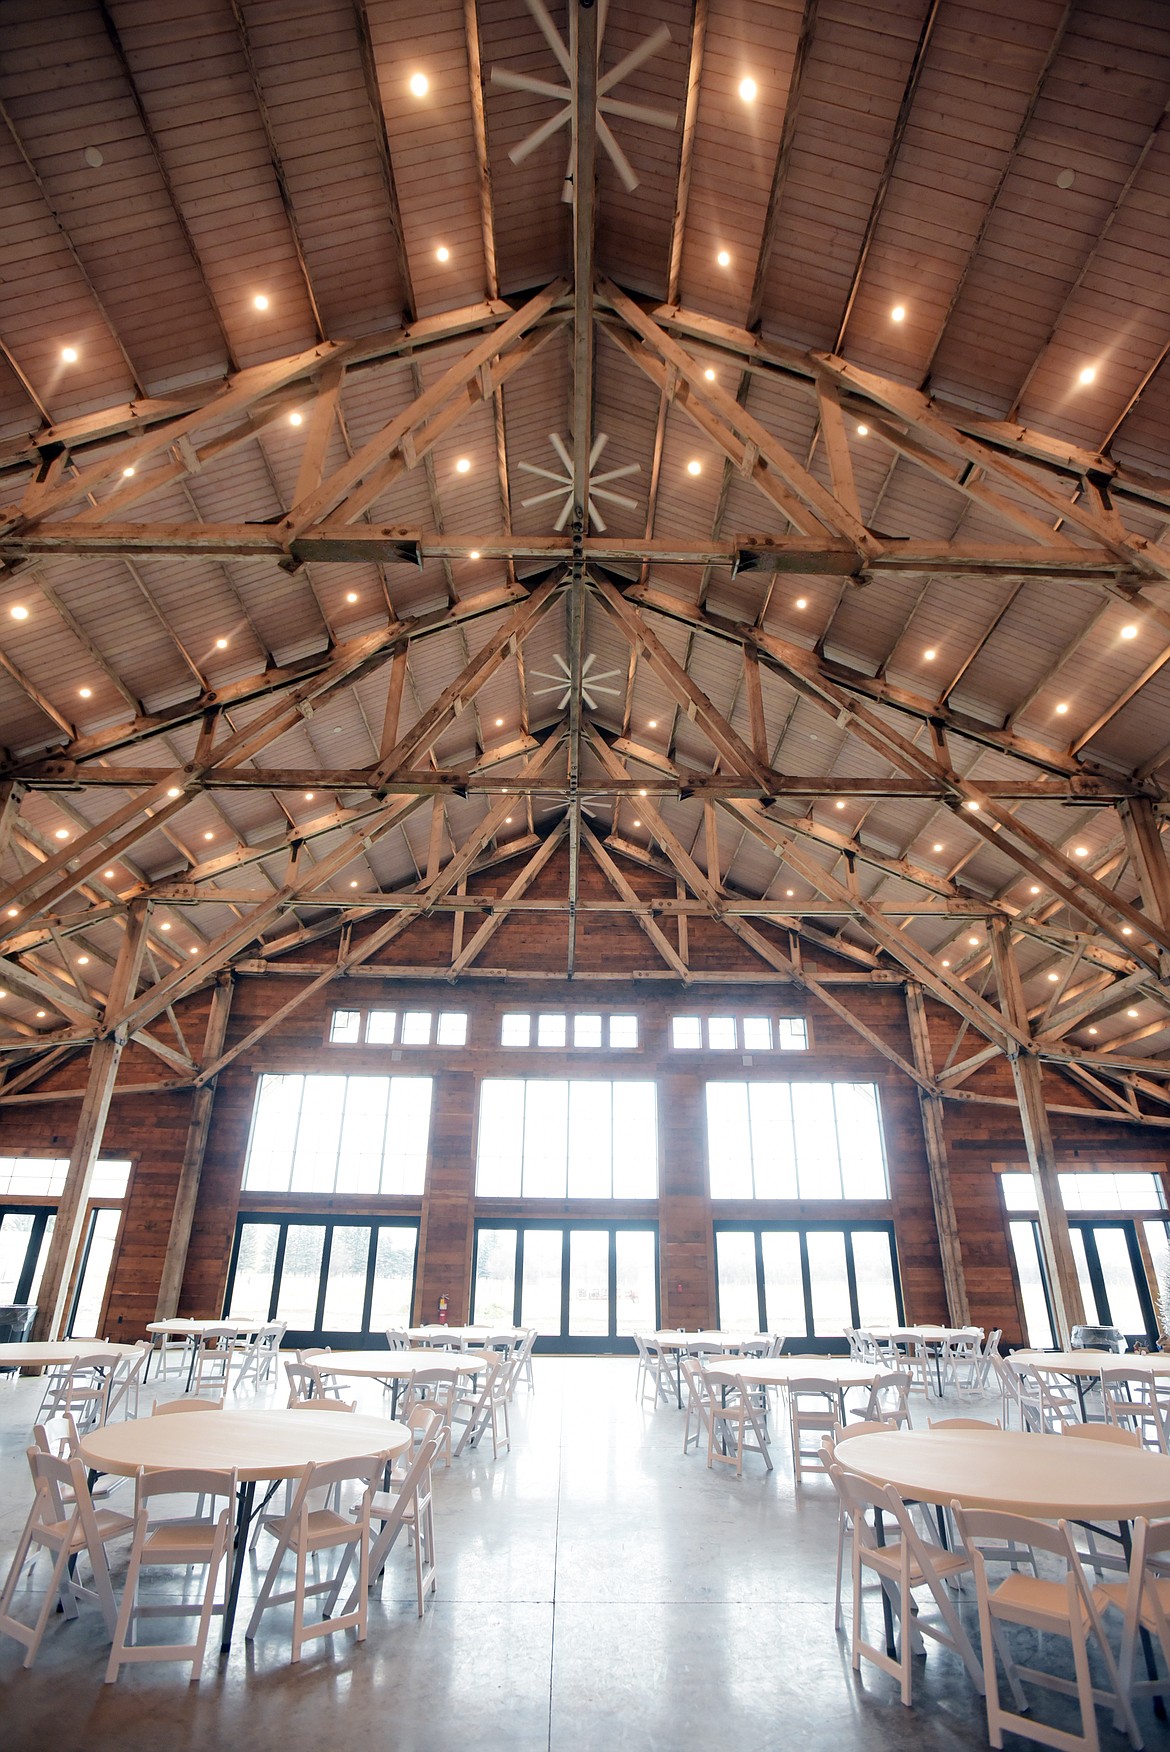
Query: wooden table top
(254, 1444)
(1090, 1362)
(385, 1365)
(1043, 1476)
(35, 1356)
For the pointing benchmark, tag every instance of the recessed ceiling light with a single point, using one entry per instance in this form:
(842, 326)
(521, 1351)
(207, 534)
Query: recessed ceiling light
(840, 803)
(166, 925)
(174, 791)
(442, 254)
(974, 942)
(474, 554)
(41, 1014)
(1065, 180)
(637, 822)
(724, 258)
(351, 596)
(499, 723)
(938, 845)
(296, 418)
(1054, 977)
(462, 466)
(309, 795)
(1127, 930)
(18, 611)
(652, 723)
(83, 961)
(86, 692)
(802, 602)
(61, 833)
(694, 466)
(353, 884)
(1088, 374)
(209, 835)
(260, 302)
(1061, 708)
(194, 949)
(12, 911)
(3, 994)
(790, 892)
(221, 644)
(1080, 851)
(929, 656)
(748, 90)
(946, 964)
(94, 157)
(1035, 888)
(898, 314)
(709, 374)
(419, 85)
(863, 431)
(972, 806)
(642, 792)
(1129, 632)
(108, 875)
(69, 355)
(1092, 1031)
(127, 472)
(1131, 1012)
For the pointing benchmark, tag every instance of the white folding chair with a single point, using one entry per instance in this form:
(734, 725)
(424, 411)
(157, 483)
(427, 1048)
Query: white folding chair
(306, 1531)
(889, 1399)
(126, 1382)
(815, 1407)
(1064, 1607)
(64, 1521)
(653, 1371)
(829, 1445)
(437, 1384)
(82, 1389)
(216, 1352)
(990, 1350)
(185, 1541)
(1130, 1403)
(903, 1566)
(1143, 1601)
(168, 1347)
(732, 1416)
(397, 1338)
(698, 1403)
(168, 1407)
(976, 1423)
(408, 1504)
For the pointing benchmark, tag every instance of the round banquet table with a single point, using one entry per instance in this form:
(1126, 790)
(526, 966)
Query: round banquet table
(65, 1350)
(1048, 1477)
(779, 1371)
(1090, 1362)
(396, 1366)
(447, 1337)
(678, 1341)
(254, 1444)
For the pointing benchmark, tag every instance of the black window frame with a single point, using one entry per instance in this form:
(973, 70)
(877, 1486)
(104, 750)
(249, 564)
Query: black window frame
(848, 1227)
(319, 1334)
(1086, 1225)
(40, 1214)
(565, 1343)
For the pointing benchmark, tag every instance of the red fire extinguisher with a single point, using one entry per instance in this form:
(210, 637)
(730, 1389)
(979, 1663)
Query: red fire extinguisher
(442, 1310)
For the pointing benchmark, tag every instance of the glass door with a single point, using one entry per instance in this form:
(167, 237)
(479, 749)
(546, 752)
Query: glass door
(339, 1282)
(808, 1281)
(586, 1287)
(24, 1240)
(1114, 1283)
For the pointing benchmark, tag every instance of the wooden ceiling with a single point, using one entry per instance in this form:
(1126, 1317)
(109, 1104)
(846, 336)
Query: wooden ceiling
(304, 383)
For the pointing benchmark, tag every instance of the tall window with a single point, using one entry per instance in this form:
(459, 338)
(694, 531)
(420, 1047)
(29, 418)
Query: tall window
(806, 1280)
(339, 1134)
(567, 1138)
(333, 1281)
(795, 1140)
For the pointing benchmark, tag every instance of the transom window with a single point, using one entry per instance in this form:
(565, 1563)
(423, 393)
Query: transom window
(739, 1033)
(589, 1030)
(44, 1177)
(339, 1134)
(795, 1140)
(1094, 1191)
(398, 1028)
(560, 1138)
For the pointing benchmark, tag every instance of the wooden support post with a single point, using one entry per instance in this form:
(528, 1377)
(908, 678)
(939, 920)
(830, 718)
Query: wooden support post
(1027, 1075)
(11, 792)
(187, 1192)
(104, 1058)
(1144, 842)
(934, 1136)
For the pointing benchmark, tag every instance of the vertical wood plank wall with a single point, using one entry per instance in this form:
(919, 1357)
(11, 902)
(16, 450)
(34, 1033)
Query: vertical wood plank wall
(151, 1128)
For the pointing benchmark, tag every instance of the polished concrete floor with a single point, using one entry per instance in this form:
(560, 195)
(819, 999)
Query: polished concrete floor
(596, 1590)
